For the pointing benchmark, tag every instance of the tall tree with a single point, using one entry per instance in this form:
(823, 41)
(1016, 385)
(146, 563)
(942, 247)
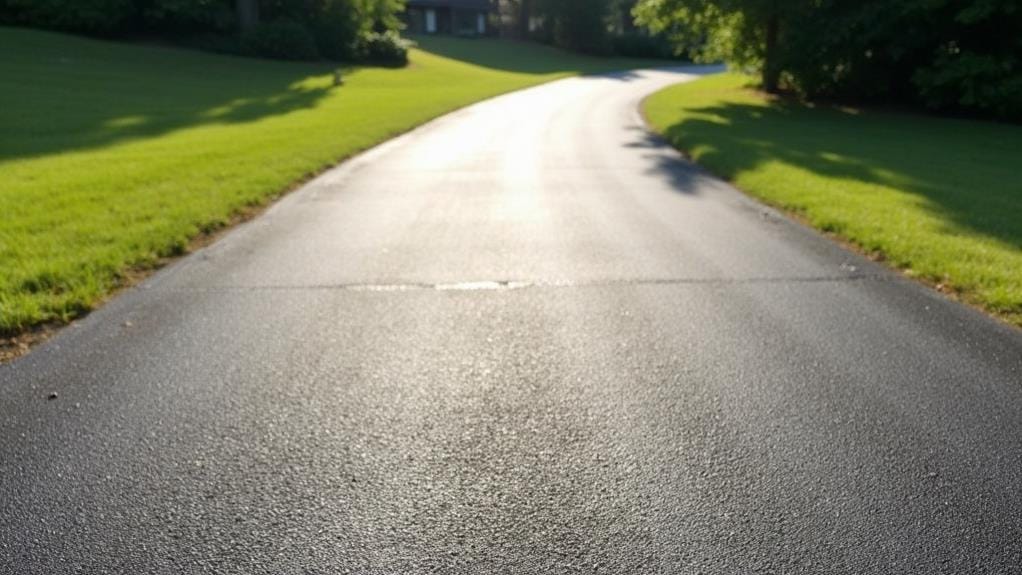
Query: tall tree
(382, 15)
(745, 32)
(577, 24)
(248, 14)
(948, 55)
(524, 18)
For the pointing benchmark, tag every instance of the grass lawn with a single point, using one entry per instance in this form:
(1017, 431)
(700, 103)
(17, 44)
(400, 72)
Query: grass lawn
(939, 198)
(114, 156)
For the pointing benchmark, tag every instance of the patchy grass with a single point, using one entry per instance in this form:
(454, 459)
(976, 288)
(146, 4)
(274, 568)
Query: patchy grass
(938, 198)
(114, 157)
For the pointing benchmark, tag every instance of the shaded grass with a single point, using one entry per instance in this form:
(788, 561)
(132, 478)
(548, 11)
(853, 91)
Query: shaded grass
(939, 198)
(527, 58)
(113, 156)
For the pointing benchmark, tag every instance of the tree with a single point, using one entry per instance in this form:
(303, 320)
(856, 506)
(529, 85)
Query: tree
(382, 15)
(248, 14)
(744, 32)
(524, 18)
(100, 17)
(344, 30)
(579, 25)
(973, 60)
(622, 19)
(947, 55)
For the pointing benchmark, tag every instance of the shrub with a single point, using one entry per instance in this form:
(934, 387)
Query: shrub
(969, 81)
(344, 30)
(187, 17)
(387, 48)
(282, 39)
(88, 16)
(336, 29)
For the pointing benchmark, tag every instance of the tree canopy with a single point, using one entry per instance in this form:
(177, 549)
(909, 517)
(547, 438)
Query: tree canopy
(577, 24)
(948, 55)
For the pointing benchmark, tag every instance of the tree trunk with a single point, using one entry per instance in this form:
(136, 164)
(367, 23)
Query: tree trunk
(524, 15)
(248, 14)
(771, 67)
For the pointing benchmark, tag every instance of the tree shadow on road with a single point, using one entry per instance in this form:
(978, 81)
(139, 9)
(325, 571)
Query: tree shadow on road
(684, 176)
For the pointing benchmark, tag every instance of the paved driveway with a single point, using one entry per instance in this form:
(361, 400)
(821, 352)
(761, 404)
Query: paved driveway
(526, 338)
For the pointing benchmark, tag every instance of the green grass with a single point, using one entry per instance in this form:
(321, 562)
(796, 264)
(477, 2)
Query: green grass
(939, 198)
(114, 156)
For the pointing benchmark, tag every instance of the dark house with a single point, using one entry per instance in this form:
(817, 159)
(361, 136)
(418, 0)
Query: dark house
(461, 17)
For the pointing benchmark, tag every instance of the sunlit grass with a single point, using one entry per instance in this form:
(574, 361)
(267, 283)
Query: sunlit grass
(940, 198)
(115, 156)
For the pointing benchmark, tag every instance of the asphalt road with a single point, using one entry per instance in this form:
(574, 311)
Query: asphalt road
(526, 338)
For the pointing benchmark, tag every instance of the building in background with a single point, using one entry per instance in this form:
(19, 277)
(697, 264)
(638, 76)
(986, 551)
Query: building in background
(459, 17)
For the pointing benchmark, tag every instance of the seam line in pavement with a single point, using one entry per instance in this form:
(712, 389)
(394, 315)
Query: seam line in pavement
(506, 285)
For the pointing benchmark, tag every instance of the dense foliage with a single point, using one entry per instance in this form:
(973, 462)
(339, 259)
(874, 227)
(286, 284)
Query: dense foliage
(91, 16)
(642, 45)
(280, 39)
(579, 25)
(289, 29)
(598, 27)
(948, 55)
(387, 48)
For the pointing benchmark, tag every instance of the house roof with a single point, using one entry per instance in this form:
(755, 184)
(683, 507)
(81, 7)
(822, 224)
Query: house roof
(480, 5)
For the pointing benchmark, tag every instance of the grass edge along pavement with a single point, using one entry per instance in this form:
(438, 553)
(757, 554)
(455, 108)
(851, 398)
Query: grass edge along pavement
(115, 157)
(937, 198)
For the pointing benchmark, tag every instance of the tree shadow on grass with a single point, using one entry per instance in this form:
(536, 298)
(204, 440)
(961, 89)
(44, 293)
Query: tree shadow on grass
(61, 93)
(964, 171)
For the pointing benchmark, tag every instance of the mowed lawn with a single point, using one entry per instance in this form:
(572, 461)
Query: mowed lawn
(939, 198)
(115, 156)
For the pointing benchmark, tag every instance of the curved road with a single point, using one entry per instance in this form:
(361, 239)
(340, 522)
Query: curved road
(525, 338)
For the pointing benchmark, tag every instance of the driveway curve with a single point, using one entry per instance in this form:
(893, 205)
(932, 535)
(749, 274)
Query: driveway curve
(527, 337)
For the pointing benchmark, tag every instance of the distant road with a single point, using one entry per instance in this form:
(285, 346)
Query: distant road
(526, 338)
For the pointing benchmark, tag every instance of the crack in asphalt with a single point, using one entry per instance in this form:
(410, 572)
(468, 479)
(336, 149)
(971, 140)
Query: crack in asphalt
(510, 285)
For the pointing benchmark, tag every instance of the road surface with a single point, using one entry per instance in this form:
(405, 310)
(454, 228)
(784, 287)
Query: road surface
(525, 338)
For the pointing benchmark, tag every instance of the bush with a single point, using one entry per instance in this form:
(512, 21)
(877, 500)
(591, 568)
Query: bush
(282, 39)
(344, 30)
(638, 45)
(88, 16)
(386, 48)
(974, 82)
(187, 17)
(336, 29)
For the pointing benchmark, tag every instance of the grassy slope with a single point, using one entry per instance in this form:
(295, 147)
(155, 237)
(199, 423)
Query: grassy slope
(113, 156)
(939, 198)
